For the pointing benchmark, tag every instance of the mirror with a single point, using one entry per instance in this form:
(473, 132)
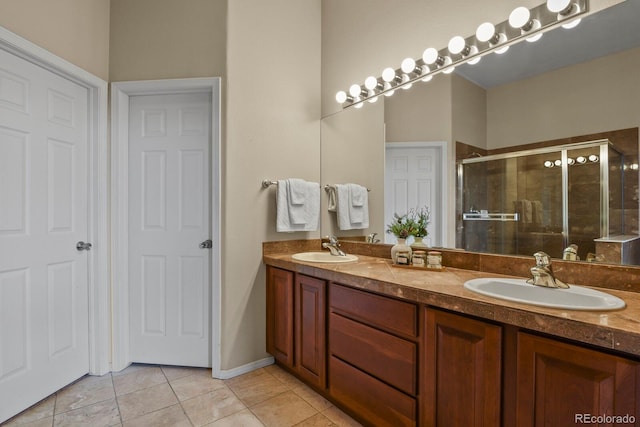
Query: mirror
(522, 99)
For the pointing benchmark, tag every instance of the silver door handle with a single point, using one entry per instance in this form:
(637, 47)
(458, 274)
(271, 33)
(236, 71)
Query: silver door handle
(207, 244)
(82, 246)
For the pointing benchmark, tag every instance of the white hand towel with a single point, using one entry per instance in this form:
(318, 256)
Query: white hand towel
(343, 206)
(332, 203)
(297, 190)
(309, 211)
(357, 196)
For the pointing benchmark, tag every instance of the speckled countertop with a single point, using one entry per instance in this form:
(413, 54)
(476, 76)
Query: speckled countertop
(617, 330)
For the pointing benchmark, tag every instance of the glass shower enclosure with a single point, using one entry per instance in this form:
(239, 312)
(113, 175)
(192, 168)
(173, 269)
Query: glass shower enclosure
(545, 199)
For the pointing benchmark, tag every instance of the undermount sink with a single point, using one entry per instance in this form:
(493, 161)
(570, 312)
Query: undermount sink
(518, 290)
(323, 257)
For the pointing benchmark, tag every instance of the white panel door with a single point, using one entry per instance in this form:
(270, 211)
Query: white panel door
(169, 277)
(413, 179)
(43, 214)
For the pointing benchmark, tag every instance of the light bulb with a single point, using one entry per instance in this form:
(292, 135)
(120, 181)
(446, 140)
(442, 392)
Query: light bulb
(405, 82)
(558, 163)
(557, 6)
(535, 38)
(473, 50)
(519, 17)
(456, 45)
(475, 60)
(373, 98)
(570, 161)
(485, 31)
(386, 88)
(548, 164)
(354, 90)
(341, 97)
(593, 158)
(581, 159)
(430, 56)
(501, 39)
(502, 50)
(572, 24)
(371, 83)
(408, 65)
(449, 70)
(359, 103)
(388, 74)
(427, 78)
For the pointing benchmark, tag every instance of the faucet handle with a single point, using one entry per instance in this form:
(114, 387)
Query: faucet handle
(332, 239)
(542, 259)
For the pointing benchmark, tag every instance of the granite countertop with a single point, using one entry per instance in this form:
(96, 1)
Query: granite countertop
(615, 330)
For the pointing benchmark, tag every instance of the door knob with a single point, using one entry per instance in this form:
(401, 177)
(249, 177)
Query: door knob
(82, 246)
(207, 244)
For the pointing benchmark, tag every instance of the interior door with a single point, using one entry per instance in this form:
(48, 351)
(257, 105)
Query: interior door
(169, 225)
(413, 179)
(43, 214)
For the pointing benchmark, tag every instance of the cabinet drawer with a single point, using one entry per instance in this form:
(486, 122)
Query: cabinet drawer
(378, 353)
(386, 313)
(374, 401)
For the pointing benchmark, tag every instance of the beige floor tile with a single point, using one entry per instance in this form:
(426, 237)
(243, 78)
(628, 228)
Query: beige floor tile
(317, 420)
(132, 368)
(212, 406)
(102, 414)
(84, 392)
(175, 372)
(286, 409)
(41, 410)
(256, 387)
(42, 422)
(240, 419)
(140, 377)
(318, 402)
(195, 385)
(141, 402)
(173, 416)
(340, 418)
(285, 377)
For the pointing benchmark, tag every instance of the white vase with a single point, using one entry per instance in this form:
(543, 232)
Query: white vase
(399, 247)
(418, 243)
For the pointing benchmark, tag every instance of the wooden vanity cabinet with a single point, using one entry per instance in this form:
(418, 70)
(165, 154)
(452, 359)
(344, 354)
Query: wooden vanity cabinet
(296, 324)
(461, 371)
(280, 307)
(373, 356)
(558, 382)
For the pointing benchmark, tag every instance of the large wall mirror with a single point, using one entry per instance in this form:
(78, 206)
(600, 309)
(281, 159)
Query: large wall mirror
(571, 86)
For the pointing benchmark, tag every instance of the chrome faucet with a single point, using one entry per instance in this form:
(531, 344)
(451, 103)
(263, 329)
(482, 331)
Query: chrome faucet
(371, 238)
(543, 274)
(334, 246)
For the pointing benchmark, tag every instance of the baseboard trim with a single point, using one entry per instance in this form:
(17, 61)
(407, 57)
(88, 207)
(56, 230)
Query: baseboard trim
(225, 374)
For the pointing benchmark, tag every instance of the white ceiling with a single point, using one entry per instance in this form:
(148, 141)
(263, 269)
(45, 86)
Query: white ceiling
(611, 30)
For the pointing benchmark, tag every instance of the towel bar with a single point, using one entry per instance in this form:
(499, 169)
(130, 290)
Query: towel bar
(328, 186)
(268, 183)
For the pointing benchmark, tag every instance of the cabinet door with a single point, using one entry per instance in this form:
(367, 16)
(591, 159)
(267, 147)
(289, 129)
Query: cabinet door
(280, 315)
(310, 316)
(462, 371)
(560, 384)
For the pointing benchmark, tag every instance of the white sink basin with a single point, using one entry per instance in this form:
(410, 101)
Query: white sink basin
(323, 257)
(518, 290)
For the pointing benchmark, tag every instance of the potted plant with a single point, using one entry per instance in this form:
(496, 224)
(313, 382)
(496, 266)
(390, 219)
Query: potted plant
(420, 218)
(402, 227)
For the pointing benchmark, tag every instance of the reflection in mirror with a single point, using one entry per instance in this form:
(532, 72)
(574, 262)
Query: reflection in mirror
(523, 101)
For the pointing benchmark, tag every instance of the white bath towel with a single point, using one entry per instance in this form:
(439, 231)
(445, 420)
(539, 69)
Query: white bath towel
(297, 216)
(332, 200)
(344, 208)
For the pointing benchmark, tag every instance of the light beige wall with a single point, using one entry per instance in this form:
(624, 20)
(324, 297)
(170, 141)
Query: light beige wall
(350, 139)
(272, 132)
(597, 96)
(76, 30)
(162, 39)
(469, 112)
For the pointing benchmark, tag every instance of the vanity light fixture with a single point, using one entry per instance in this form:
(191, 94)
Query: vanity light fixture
(523, 23)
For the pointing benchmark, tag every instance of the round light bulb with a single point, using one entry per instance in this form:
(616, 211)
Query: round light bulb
(535, 38)
(571, 161)
(449, 70)
(371, 83)
(485, 31)
(572, 24)
(388, 74)
(354, 90)
(427, 78)
(373, 99)
(359, 102)
(519, 17)
(557, 6)
(386, 88)
(593, 158)
(558, 163)
(405, 82)
(474, 51)
(475, 60)
(548, 164)
(456, 45)
(408, 65)
(430, 56)
(341, 97)
(581, 159)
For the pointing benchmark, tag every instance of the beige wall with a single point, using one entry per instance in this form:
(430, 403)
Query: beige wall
(597, 96)
(272, 132)
(162, 39)
(468, 112)
(76, 30)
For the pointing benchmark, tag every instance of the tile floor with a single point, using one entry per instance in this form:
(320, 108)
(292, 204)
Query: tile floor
(150, 396)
